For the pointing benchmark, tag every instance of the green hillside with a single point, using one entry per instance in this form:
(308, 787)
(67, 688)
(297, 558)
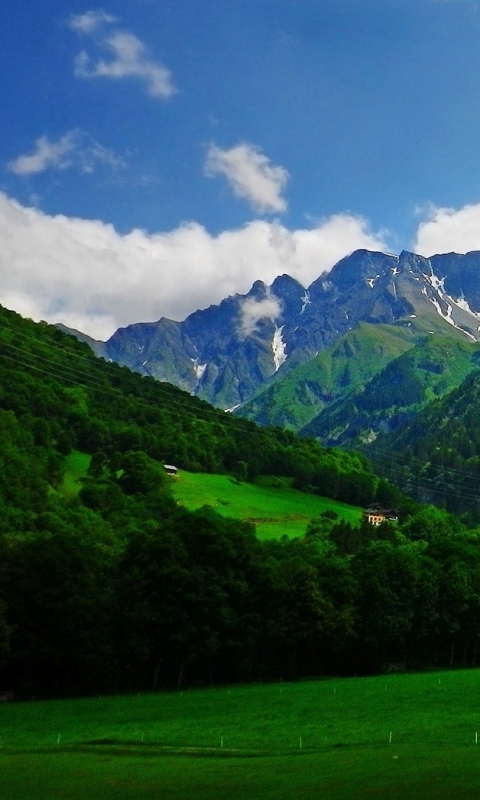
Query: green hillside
(295, 398)
(274, 508)
(108, 584)
(62, 397)
(271, 504)
(90, 529)
(375, 377)
(436, 456)
(396, 393)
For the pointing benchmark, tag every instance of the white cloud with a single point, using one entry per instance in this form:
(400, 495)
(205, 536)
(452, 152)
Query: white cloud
(73, 149)
(90, 21)
(250, 174)
(128, 59)
(47, 155)
(448, 229)
(253, 311)
(86, 275)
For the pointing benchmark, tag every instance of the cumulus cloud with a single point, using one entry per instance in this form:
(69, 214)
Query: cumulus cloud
(253, 311)
(128, 58)
(250, 174)
(74, 149)
(88, 276)
(90, 21)
(448, 229)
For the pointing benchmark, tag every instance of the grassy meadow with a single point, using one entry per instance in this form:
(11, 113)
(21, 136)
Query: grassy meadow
(273, 506)
(400, 736)
(76, 466)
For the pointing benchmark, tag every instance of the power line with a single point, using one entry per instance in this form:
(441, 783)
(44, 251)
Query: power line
(418, 479)
(172, 406)
(407, 461)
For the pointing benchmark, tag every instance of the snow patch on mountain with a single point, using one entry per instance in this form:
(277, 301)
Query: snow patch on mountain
(435, 282)
(278, 347)
(438, 285)
(198, 368)
(463, 304)
(447, 315)
(306, 301)
(371, 281)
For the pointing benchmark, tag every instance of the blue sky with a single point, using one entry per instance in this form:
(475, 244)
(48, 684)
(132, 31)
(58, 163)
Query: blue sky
(156, 156)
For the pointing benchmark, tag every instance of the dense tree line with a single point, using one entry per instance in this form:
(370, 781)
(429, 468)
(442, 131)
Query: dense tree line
(145, 594)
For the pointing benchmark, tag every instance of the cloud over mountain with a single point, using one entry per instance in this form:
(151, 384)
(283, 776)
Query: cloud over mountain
(88, 276)
(253, 310)
(449, 229)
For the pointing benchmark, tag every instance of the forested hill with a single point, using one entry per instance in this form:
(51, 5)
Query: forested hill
(436, 456)
(63, 397)
(116, 587)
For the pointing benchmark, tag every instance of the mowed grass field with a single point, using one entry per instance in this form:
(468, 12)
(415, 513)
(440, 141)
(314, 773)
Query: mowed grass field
(402, 736)
(276, 510)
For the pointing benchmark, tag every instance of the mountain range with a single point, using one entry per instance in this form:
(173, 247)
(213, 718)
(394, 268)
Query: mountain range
(303, 358)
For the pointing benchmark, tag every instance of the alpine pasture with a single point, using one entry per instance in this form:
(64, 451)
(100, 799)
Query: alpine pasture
(271, 504)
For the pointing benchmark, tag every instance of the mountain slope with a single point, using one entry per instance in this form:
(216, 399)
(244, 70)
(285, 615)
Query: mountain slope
(396, 393)
(293, 400)
(436, 455)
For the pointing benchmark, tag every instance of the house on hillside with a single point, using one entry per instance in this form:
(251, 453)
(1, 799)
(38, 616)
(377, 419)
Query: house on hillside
(171, 470)
(376, 514)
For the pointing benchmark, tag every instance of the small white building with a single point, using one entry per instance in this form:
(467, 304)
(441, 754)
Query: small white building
(171, 470)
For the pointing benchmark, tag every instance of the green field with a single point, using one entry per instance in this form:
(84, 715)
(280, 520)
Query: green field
(276, 511)
(76, 466)
(401, 736)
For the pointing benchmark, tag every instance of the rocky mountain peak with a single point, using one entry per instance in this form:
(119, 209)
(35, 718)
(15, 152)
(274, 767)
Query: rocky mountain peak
(414, 263)
(291, 293)
(258, 290)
